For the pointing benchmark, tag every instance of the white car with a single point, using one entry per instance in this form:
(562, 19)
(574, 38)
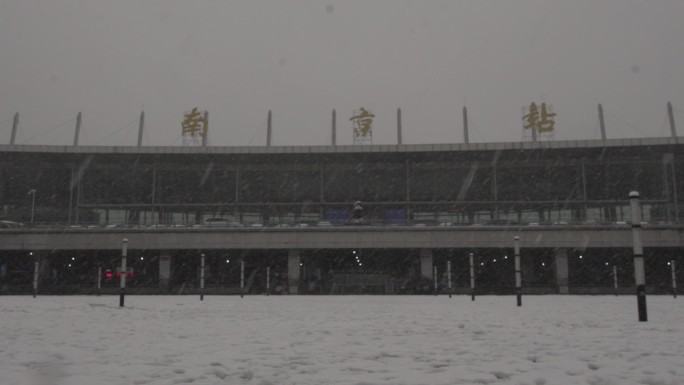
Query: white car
(10, 225)
(216, 222)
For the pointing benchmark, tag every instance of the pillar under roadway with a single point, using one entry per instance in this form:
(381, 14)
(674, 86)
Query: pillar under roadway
(426, 263)
(165, 271)
(562, 271)
(293, 268)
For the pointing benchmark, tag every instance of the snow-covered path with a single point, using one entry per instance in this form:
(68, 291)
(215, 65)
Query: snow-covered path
(340, 340)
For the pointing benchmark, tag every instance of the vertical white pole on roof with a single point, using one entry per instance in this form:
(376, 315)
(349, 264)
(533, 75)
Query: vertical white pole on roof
(15, 125)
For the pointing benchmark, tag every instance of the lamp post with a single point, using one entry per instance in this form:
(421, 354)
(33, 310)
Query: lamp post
(32, 193)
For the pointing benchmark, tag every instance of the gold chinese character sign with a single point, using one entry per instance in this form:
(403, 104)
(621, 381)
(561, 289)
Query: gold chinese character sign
(195, 125)
(539, 119)
(362, 122)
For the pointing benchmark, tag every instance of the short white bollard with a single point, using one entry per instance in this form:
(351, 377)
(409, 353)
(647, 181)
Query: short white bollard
(202, 277)
(449, 277)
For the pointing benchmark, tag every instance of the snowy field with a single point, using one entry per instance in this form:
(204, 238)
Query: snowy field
(340, 340)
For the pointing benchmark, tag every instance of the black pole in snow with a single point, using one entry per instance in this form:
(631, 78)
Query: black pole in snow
(518, 277)
(122, 289)
(639, 270)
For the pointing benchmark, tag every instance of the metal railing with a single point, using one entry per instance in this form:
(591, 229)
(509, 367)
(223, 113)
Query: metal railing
(37, 226)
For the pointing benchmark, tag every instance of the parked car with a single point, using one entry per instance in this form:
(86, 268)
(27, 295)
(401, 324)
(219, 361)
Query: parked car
(216, 222)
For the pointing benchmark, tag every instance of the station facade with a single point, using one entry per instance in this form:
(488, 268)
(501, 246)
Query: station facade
(299, 190)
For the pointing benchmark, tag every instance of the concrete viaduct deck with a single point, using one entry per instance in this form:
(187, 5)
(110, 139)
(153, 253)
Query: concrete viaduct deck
(343, 237)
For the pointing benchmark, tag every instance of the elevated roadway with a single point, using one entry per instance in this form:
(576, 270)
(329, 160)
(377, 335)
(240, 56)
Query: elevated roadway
(342, 237)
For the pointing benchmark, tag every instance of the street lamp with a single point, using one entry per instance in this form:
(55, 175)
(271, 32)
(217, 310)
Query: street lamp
(32, 193)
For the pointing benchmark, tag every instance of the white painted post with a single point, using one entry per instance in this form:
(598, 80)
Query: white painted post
(674, 279)
(518, 277)
(639, 270)
(615, 282)
(268, 280)
(99, 280)
(242, 278)
(35, 276)
(202, 277)
(449, 276)
(472, 278)
(434, 277)
(124, 254)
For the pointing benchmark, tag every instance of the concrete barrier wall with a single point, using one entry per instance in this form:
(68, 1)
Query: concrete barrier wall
(579, 237)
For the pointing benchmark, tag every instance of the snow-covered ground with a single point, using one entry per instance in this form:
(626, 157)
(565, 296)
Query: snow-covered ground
(340, 340)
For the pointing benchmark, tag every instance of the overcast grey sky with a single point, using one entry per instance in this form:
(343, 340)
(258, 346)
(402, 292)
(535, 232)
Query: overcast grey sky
(238, 59)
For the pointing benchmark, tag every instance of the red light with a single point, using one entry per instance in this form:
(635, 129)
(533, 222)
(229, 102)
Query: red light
(130, 274)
